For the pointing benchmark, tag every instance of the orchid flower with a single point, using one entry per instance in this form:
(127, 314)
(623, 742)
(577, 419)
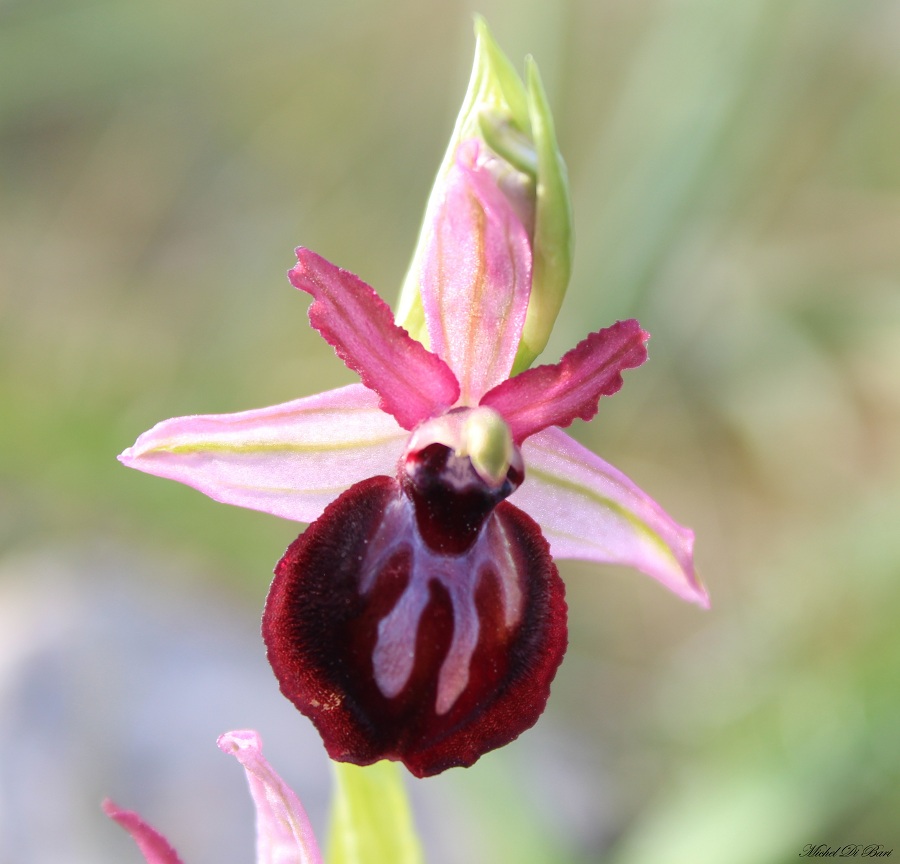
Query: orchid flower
(421, 617)
(283, 832)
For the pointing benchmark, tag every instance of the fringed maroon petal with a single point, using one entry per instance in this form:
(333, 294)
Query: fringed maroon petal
(397, 651)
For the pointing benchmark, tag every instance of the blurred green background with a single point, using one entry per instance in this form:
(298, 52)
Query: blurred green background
(735, 168)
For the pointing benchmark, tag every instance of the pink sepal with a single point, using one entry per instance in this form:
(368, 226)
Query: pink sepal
(589, 510)
(476, 279)
(290, 460)
(154, 847)
(412, 383)
(283, 832)
(554, 395)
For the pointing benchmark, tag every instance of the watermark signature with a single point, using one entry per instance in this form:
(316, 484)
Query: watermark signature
(850, 850)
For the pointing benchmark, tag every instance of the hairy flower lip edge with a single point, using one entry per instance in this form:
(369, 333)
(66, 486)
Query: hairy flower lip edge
(351, 732)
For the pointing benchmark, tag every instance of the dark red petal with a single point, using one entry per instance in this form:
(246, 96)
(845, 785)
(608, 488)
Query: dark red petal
(396, 651)
(555, 394)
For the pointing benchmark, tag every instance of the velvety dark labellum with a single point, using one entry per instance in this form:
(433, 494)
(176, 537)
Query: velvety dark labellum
(398, 650)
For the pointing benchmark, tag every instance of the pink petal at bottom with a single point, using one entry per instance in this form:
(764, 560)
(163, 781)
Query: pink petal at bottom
(589, 510)
(154, 847)
(283, 832)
